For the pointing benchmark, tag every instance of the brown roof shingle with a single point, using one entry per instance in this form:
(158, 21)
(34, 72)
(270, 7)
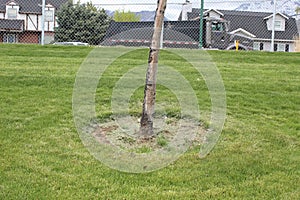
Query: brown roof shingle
(11, 25)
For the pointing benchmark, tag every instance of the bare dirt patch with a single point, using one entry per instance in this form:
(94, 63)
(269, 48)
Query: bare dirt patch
(129, 139)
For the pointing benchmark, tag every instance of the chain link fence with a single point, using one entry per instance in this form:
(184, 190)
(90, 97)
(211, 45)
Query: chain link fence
(234, 24)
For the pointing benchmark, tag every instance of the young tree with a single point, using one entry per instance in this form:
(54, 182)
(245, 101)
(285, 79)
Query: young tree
(122, 16)
(81, 22)
(146, 125)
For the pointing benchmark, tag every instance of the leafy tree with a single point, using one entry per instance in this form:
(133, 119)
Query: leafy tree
(122, 16)
(81, 22)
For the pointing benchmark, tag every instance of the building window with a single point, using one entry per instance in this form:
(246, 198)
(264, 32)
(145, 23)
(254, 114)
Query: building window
(49, 15)
(261, 46)
(281, 47)
(9, 38)
(12, 13)
(256, 46)
(287, 48)
(278, 25)
(217, 26)
(275, 47)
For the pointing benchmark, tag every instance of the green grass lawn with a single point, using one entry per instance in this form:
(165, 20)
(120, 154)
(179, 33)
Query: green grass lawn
(42, 156)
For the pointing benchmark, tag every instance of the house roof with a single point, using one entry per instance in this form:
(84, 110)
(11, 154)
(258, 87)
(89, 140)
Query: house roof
(12, 25)
(214, 10)
(254, 23)
(282, 15)
(31, 6)
(243, 31)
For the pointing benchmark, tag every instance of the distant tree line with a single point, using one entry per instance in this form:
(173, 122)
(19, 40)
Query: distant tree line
(123, 16)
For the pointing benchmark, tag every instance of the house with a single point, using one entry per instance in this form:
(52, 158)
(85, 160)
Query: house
(21, 20)
(255, 25)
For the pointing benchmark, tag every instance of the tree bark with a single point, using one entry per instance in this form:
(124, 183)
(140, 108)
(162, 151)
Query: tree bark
(146, 128)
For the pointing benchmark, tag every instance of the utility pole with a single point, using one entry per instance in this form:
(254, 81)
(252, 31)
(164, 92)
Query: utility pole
(201, 25)
(43, 22)
(273, 27)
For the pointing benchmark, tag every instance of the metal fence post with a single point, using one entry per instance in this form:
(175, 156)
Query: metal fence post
(201, 25)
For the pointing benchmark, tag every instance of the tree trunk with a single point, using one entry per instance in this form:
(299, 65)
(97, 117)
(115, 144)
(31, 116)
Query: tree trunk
(146, 128)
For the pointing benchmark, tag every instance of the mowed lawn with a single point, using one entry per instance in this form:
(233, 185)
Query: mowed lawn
(42, 156)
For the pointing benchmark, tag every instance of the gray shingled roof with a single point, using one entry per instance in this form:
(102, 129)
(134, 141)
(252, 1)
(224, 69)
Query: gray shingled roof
(12, 25)
(254, 23)
(31, 6)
